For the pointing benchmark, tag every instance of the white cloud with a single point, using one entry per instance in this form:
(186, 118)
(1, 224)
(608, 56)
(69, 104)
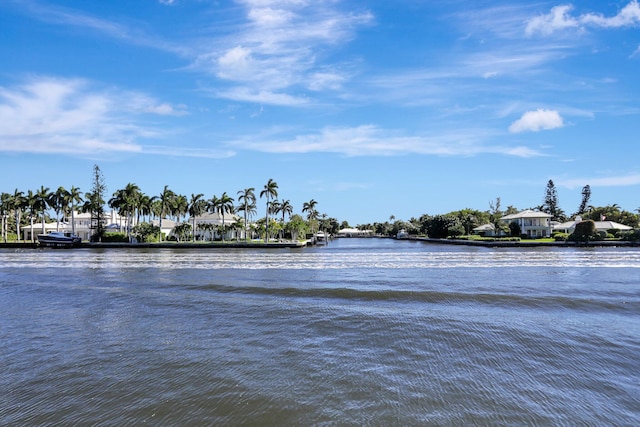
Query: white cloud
(559, 18)
(72, 116)
(167, 2)
(534, 121)
(279, 50)
(369, 140)
(629, 16)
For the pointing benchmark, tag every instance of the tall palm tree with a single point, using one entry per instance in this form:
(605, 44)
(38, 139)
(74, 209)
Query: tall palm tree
(166, 198)
(285, 208)
(310, 208)
(196, 207)
(57, 201)
(18, 203)
(224, 206)
(212, 207)
(32, 211)
(43, 202)
(5, 207)
(247, 198)
(270, 191)
(74, 197)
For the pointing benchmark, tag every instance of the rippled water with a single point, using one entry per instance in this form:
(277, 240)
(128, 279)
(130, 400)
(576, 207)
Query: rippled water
(358, 332)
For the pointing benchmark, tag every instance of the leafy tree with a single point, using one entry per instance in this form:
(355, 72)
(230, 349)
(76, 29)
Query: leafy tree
(585, 231)
(182, 231)
(514, 229)
(442, 226)
(144, 231)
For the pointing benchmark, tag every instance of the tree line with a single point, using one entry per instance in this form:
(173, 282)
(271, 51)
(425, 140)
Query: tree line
(21, 208)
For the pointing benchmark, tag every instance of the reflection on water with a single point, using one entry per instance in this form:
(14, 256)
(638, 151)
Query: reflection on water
(362, 331)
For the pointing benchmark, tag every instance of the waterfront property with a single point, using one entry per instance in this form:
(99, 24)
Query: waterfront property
(601, 226)
(532, 223)
(354, 232)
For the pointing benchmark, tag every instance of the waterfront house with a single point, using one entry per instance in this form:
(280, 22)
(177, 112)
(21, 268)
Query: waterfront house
(601, 226)
(111, 221)
(532, 223)
(354, 232)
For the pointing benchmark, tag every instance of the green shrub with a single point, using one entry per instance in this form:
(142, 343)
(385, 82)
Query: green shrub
(560, 237)
(631, 236)
(115, 238)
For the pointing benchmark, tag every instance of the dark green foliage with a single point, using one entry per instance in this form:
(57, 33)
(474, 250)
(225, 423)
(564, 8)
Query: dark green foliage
(115, 238)
(443, 226)
(515, 229)
(586, 195)
(631, 236)
(585, 231)
(145, 232)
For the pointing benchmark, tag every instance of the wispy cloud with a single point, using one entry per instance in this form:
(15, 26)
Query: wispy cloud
(73, 116)
(534, 121)
(560, 18)
(70, 17)
(603, 181)
(369, 140)
(279, 51)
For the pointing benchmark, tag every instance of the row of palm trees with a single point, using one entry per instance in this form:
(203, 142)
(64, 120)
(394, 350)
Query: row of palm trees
(133, 205)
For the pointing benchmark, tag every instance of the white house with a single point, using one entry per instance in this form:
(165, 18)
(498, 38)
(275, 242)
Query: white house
(485, 230)
(532, 223)
(570, 226)
(81, 221)
(354, 232)
(214, 220)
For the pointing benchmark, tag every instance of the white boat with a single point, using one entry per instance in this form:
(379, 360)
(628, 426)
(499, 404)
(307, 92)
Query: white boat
(402, 234)
(321, 237)
(59, 239)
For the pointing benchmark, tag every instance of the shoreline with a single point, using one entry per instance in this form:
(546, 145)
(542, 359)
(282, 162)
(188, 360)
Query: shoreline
(303, 244)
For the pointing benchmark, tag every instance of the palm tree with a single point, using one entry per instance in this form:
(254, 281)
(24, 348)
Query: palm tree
(196, 207)
(18, 203)
(248, 200)
(180, 206)
(43, 202)
(286, 208)
(31, 203)
(74, 196)
(224, 206)
(310, 208)
(57, 202)
(166, 198)
(5, 207)
(270, 191)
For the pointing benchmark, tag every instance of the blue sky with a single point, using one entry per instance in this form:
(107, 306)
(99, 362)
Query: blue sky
(373, 108)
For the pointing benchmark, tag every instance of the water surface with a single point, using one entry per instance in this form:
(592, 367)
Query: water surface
(358, 332)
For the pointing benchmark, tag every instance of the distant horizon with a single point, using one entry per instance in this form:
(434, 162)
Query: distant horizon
(385, 108)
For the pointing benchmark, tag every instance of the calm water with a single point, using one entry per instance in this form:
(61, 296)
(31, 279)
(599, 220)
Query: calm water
(360, 332)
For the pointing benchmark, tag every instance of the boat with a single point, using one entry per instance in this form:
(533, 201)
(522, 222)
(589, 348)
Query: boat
(402, 234)
(321, 237)
(59, 239)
